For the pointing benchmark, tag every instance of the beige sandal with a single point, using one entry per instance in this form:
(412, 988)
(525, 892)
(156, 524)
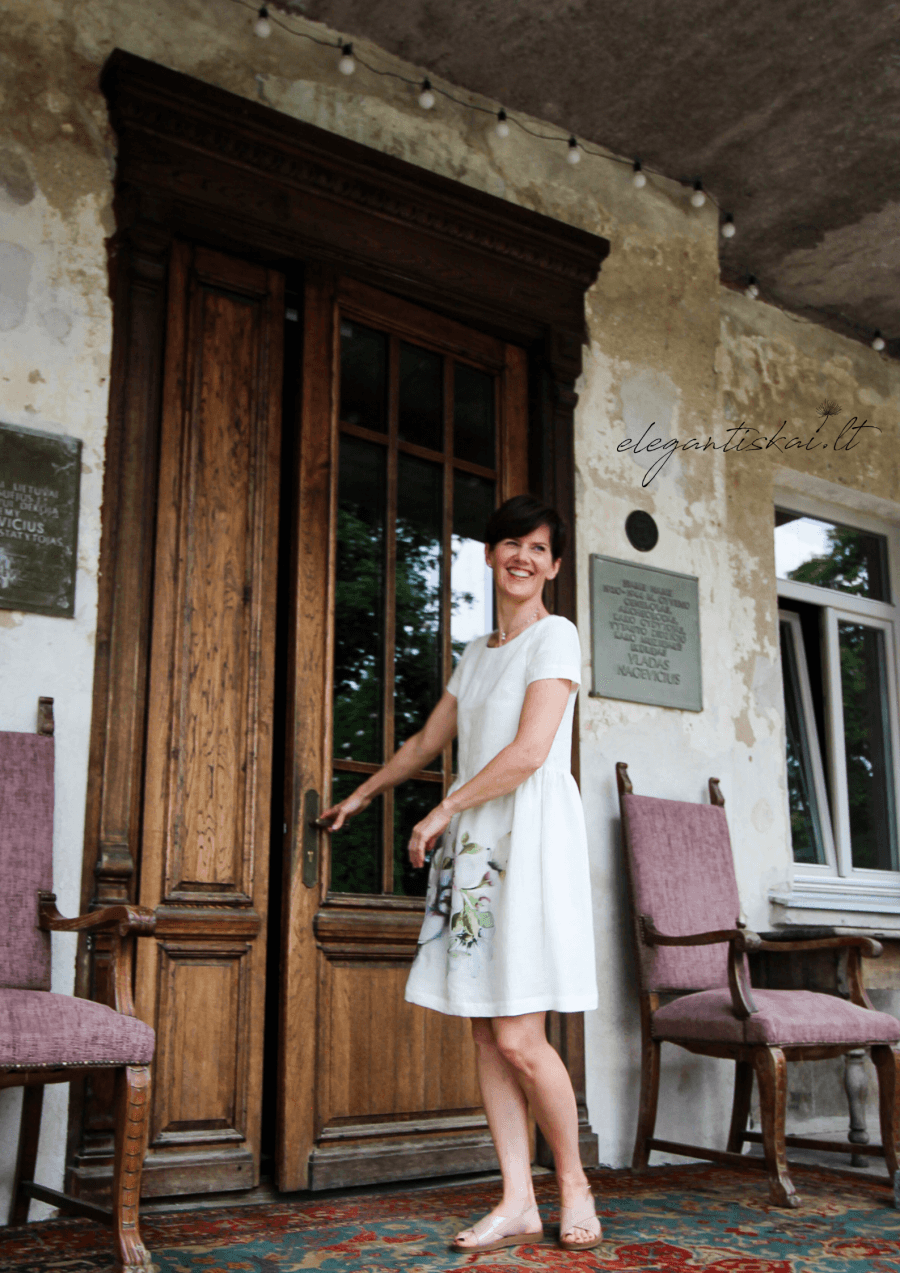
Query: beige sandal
(492, 1234)
(567, 1224)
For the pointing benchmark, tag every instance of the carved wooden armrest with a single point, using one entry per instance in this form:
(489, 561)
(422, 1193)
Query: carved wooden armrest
(740, 940)
(120, 923)
(855, 944)
(653, 937)
(867, 946)
(136, 920)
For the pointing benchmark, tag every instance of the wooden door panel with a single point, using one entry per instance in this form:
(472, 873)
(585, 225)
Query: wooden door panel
(204, 859)
(385, 1053)
(200, 1078)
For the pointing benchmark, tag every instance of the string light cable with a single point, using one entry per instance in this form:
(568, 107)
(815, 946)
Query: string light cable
(427, 92)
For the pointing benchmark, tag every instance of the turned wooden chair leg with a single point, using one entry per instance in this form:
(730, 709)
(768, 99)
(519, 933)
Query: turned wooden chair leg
(740, 1109)
(132, 1126)
(649, 1100)
(887, 1063)
(26, 1157)
(771, 1076)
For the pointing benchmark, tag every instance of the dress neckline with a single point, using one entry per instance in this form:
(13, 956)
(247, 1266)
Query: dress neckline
(531, 627)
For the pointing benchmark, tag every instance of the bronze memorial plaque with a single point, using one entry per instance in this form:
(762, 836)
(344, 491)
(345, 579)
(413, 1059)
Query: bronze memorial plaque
(39, 483)
(645, 634)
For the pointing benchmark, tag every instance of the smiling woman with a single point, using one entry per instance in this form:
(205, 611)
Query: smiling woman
(507, 934)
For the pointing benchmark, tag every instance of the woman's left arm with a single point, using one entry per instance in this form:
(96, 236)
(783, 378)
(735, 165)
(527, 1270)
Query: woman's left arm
(542, 711)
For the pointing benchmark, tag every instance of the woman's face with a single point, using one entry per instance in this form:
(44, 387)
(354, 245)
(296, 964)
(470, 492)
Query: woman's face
(522, 566)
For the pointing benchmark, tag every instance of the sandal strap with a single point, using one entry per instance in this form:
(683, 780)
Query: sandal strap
(489, 1228)
(566, 1225)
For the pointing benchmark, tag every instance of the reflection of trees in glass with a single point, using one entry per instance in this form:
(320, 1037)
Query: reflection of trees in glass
(417, 657)
(356, 848)
(865, 742)
(853, 565)
(359, 603)
(849, 566)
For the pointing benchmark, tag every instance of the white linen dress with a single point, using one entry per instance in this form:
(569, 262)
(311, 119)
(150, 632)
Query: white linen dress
(508, 926)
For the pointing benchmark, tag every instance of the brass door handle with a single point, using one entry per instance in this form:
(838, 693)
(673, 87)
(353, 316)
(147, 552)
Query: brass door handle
(311, 828)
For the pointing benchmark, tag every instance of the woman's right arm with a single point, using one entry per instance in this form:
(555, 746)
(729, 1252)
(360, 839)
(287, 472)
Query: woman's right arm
(415, 754)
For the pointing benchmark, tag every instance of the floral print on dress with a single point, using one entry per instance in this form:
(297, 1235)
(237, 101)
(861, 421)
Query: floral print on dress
(459, 895)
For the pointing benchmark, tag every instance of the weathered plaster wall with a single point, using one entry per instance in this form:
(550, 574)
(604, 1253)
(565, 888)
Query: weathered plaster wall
(668, 347)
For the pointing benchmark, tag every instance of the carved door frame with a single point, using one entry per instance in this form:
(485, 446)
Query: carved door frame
(200, 164)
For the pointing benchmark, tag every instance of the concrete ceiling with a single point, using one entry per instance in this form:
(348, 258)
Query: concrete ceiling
(789, 111)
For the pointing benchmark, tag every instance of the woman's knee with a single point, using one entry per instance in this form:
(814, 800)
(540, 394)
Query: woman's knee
(519, 1046)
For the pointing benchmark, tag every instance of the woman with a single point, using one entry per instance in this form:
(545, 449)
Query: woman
(507, 934)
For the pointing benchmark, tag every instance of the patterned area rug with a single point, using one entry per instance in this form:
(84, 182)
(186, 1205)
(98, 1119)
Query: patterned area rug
(692, 1219)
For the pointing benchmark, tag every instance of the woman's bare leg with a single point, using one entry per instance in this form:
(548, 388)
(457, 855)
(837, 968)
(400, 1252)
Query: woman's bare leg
(507, 1115)
(540, 1074)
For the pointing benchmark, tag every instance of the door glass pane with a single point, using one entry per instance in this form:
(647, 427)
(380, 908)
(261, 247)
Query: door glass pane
(412, 801)
(867, 747)
(473, 416)
(420, 406)
(359, 602)
(806, 834)
(356, 848)
(811, 550)
(363, 376)
(417, 662)
(471, 580)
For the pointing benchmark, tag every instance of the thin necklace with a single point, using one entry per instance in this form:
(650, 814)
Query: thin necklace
(503, 635)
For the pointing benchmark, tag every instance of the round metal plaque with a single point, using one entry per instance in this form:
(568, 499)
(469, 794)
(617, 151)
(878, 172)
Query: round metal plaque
(642, 531)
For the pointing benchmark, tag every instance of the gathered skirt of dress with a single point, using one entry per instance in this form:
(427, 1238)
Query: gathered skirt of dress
(508, 925)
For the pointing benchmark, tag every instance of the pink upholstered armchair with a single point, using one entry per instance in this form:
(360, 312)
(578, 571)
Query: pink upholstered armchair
(50, 1038)
(690, 943)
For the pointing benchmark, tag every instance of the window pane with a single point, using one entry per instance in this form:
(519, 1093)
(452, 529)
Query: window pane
(831, 556)
(417, 665)
(473, 416)
(420, 408)
(473, 503)
(359, 602)
(412, 801)
(471, 581)
(867, 747)
(471, 593)
(356, 848)
(806, 835)
(363, 376)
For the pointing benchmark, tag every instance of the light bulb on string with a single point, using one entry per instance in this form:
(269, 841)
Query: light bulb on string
(698, 197)
(501, 128)
(426, 96)
(728, 230)
(262, 26)
(639, 177)
(574, 155)
(347, 62)
(751, 291)
(878, 342)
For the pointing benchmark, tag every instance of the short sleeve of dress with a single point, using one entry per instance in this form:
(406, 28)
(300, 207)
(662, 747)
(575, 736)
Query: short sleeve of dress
(555, 652)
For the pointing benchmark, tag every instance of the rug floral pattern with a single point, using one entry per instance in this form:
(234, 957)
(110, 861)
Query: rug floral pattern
(671, 1220)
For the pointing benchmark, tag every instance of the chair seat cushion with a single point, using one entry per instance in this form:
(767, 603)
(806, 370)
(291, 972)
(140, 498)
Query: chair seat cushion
(38, 1028)
(786, 1018)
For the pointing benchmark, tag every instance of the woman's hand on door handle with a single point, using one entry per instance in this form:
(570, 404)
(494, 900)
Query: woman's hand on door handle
(334, 818)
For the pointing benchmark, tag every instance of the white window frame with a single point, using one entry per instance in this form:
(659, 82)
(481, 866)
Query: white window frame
(836, 885)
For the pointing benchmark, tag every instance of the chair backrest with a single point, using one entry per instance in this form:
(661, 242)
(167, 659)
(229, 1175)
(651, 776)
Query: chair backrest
(682, 877)
(26, 858)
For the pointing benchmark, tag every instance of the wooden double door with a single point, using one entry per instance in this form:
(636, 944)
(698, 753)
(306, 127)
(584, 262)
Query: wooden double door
(328, 457)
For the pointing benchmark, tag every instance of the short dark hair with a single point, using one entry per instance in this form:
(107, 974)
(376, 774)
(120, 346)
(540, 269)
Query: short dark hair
(520, 516)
